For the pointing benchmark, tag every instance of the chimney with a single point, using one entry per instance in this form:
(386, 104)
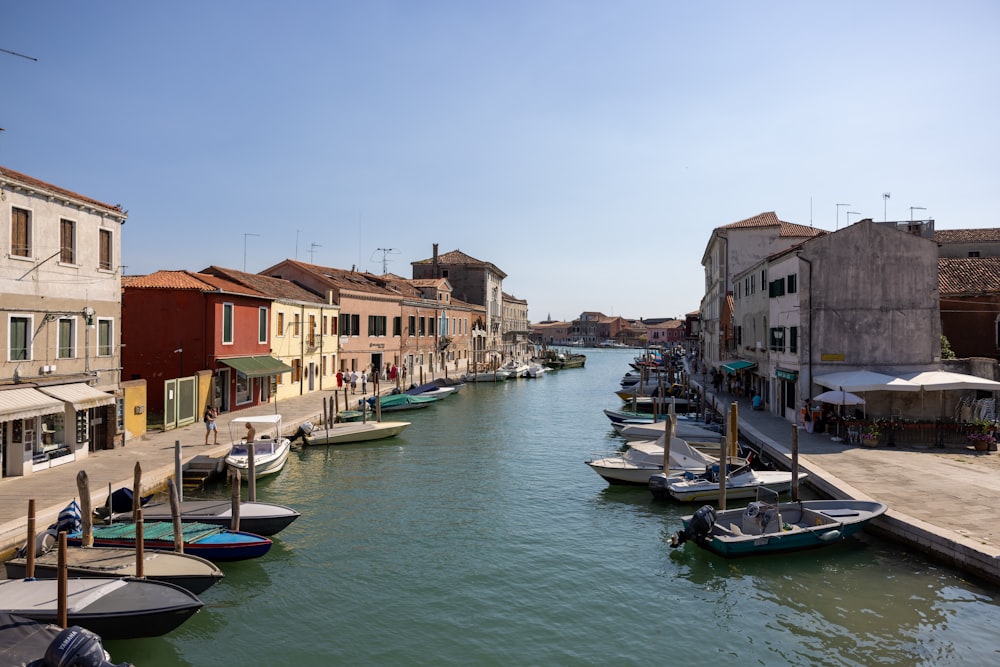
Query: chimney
(435, 270)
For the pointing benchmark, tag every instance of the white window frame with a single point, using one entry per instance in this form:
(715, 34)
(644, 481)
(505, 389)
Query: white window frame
(228, 306)
(72, 336)
(262, 325)
(29, 329)
(111, 336)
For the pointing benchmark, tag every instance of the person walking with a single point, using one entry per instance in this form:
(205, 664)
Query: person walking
(364, 382)
(340, 379)
(211, 428)
(354, 382)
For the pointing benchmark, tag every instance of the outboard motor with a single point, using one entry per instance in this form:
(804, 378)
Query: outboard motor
(78, 647)
(698, 528)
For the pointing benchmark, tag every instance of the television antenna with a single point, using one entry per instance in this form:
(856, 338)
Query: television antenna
(385, 257)
(312, 249)
(19, 55)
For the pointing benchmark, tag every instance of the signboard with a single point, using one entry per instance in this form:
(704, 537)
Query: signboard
(832, 357)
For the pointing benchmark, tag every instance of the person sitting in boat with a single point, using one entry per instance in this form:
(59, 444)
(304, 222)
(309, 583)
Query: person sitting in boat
(251, 432)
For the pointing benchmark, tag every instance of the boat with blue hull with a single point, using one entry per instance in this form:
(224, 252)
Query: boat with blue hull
(212, 543)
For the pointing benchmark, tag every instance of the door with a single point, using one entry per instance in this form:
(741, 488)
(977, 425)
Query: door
(222, 390)
(169, 404)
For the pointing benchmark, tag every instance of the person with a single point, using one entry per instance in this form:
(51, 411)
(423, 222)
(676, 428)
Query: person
(210, 427)
(251, 432)
(393, 372)
(340, 379)
(364, 382)
(354, 382)
(756, 403)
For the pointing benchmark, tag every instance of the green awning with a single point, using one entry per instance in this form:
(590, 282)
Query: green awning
(257, 367)
(737, 365)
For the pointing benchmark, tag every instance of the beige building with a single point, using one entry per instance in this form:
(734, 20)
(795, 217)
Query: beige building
(61, 312)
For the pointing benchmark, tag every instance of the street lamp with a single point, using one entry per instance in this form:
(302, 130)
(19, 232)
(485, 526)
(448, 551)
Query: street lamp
(848, 216)
(838, 214)
(180, 361)
(915, 208)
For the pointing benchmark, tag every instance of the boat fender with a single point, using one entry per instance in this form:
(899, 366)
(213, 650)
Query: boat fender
(78, 647)
(830, 535)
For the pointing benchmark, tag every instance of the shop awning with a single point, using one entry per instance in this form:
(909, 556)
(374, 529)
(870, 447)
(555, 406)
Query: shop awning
(257, 367)
(82, 396)
(26, 403)
(738, 365)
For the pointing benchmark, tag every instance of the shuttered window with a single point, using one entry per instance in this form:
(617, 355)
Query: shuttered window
(20, 233)
(67, 241)
(105, 249)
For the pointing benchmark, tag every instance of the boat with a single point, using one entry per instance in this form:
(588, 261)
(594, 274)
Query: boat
(270, 448)
(401, 401)
(28, 643)
(435, 389)
(258, 518)
(536, 370)
(634, 417)
(185, 570)
(343, 434)
(766, 526)
(112, 608)
(741, 483)
(201, 539)
(689, 430)
(516, 369)
(642, 459)
(556, 360)
(498, 375)
(647, 404)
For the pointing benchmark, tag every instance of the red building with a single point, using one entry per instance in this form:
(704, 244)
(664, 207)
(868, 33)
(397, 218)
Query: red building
(178, 323)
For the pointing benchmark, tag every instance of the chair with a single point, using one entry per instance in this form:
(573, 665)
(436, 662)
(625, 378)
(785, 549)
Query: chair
(854, 434)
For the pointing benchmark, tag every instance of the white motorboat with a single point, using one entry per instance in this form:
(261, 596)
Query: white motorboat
(350, 432)
(270, 447)
(741, 483)
(516, 369)
(499, 375)
(536, 370)
(686, 430)
(644, 458)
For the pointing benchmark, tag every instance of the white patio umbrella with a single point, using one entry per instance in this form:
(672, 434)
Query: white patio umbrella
(839, 397)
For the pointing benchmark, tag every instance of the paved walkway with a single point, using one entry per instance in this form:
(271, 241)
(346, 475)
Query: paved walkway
(942, 501)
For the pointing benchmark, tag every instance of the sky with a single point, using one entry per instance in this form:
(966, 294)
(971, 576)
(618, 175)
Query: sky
(587, 149)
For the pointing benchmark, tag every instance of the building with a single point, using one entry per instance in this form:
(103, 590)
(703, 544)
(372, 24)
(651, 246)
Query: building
(967, 243)
(970, 305)
(476, 282)
(731, 250)
(197, 339)
(60, 370)
(302, 331)
(515, 333)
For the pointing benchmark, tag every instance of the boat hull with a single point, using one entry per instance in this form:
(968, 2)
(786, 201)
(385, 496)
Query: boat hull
(258, 518)
(208, 541)
(345, 434)
(112, 608)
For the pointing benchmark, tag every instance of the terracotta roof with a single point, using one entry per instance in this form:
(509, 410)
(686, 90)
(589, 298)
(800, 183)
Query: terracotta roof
(187, 280)
(456, 258)
(770, 219)
(277, 288)
(967, 235)
(968, 275)
(36, 184)
(356, 280)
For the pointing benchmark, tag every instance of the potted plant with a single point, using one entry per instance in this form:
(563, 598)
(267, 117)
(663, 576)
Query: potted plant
(870, 437)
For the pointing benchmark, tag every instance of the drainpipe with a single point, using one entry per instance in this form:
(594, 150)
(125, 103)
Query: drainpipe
(810, 360)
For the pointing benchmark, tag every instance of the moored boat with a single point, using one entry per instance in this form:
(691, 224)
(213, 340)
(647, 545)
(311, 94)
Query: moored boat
(255, 517)
(113, 608)
(211, 542)
(741, 483)
(344, 434)
(270, 447)
(401, 401)
(185, 570)
(28, 643)
(764, 527)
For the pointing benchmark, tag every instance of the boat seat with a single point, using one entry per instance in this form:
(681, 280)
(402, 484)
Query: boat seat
(835, 513)
(265, 437)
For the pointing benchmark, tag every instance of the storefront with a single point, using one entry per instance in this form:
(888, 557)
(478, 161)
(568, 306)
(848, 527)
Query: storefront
(31, 431)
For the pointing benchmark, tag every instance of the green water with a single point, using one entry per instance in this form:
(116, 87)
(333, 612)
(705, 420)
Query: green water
(480, 537)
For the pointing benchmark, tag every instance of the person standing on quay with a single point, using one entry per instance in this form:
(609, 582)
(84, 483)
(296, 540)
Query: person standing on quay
(210, 426)
(354, 382)
(364, 382)
(340, 379)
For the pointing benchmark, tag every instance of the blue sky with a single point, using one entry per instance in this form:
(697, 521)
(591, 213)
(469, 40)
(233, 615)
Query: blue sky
(585, 148)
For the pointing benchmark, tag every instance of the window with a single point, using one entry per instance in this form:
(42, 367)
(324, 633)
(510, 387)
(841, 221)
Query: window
(296, 325)
(20, 233)
(280, 329)
(423, 327)
(397, 326)
(227, 324)
(312, 331)
(411, 323)
(262, 325)
(974, 253)
(793, 340)
(67, 338)
(431, 326)
(793, 283)
(739, 335)
(242, 388)
(326, 328)
(105, 337)
(105, 249)
(776, 288)
(20, 338)
(296, 370)
(376, 325)
(350, 325)
(67, 242)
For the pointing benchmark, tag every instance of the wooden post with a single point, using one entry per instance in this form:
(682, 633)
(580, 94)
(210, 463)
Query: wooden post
(723, 464)
(326, 416)
(336, 406)
(251, 473)
(178, 469)
(86, 518)
(140, 545)
(175, 516)
(29, 568)
(234, 479)
(62, 588)
(136, 491)
(668, 434)
(734, 429)
(795, 463)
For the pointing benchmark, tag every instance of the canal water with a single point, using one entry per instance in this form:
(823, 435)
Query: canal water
(480, 537)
